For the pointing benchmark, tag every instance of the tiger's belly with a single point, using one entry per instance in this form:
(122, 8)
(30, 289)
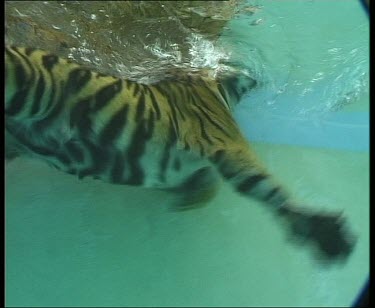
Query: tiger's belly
(147, 163)
(155, 167)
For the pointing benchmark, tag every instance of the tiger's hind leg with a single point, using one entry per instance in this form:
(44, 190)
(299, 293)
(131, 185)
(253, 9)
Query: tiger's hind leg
(327, 232)
(11, 147)
(196, 190)
(10, 154)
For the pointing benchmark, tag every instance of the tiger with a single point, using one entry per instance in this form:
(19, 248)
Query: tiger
(177, 134)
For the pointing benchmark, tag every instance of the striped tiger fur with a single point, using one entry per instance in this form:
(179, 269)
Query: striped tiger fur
(177, 134)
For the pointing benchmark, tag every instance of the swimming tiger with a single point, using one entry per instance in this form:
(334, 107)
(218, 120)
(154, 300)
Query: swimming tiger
(177, 134)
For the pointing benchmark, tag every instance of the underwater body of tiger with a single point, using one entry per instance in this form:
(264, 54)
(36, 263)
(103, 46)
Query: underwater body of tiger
(177, 134)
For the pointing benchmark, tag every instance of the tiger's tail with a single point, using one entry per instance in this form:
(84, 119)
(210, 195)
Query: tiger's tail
(239, 166)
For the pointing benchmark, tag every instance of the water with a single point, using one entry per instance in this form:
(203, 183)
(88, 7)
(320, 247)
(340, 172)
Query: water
(95, 244)
(315, 73)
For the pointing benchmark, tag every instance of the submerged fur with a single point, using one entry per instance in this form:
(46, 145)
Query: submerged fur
(177, 134)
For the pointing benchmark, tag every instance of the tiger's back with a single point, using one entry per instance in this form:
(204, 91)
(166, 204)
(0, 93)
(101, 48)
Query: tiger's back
(90, 124)
(173, 135)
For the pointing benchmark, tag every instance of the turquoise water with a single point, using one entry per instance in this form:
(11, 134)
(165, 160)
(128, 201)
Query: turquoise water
(88, 243)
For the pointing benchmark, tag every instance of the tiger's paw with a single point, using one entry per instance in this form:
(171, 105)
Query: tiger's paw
(328, 232)
(194, 199)
(196, 191)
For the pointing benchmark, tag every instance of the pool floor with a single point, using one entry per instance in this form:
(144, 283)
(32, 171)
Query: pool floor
(87, 243)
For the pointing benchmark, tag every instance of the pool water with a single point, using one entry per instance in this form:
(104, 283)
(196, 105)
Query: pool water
(88, 243)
